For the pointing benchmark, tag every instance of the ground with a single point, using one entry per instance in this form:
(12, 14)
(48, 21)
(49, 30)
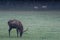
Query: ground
(42, 25)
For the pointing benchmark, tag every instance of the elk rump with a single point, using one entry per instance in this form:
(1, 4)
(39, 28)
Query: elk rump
(17, 25)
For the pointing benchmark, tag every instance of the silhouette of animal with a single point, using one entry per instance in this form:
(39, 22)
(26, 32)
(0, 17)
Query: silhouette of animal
(17, 25)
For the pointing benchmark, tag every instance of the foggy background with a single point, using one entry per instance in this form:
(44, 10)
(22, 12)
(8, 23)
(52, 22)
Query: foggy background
(29, 5)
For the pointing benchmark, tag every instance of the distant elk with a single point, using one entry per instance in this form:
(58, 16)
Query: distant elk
(17, 25)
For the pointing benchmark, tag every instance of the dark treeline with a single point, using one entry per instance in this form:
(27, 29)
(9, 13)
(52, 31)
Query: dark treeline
(27, 0)
(23, 1)
(29, 4)
(18, 1)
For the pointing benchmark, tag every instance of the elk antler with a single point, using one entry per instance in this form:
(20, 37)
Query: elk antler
(25, 30)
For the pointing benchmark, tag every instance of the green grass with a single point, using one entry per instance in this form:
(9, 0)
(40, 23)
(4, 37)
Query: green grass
(42, 25)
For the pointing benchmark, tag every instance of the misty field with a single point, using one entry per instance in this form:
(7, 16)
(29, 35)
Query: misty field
(42, 25)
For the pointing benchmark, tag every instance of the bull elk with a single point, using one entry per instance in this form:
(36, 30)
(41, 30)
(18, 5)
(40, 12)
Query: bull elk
(17, 25)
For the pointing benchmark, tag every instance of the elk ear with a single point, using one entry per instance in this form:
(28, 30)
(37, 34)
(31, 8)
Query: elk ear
(25, 30)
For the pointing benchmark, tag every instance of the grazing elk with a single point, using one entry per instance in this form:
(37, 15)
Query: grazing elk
(17, 25)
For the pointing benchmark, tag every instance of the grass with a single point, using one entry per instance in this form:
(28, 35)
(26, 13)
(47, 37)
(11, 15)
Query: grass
(42, 25)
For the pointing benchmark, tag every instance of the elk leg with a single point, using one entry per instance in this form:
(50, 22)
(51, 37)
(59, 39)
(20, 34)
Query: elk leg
(17, 32)
(9, 31)
(21, 32)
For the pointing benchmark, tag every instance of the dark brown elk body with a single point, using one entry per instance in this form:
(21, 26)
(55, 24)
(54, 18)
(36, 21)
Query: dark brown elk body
(17, 25)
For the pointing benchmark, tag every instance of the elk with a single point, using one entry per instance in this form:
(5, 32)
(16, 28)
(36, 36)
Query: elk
(17, 25)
